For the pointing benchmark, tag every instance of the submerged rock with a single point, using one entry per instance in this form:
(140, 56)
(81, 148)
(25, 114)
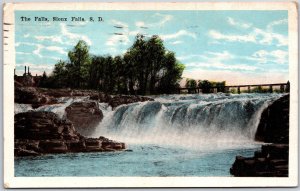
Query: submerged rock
(42, 132)
(271, 161)
(85, 116)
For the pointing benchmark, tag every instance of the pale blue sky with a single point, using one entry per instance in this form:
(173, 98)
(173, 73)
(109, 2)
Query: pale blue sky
(236, 46)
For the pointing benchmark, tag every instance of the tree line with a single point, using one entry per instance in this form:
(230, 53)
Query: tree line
(147, 67)
(205, 85)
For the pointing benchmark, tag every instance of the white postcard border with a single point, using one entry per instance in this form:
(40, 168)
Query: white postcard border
(62, 182)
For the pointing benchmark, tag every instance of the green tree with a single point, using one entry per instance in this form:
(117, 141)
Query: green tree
(80, 62)
(220, 86)
(60, 75)
(205, 85)
(191, 84)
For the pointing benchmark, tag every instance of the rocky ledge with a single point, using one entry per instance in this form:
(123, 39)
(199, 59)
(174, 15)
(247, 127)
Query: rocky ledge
(271, 161)
(38, 133)
(30, 95)
(42, 96)
(274, 123)
(85, 116)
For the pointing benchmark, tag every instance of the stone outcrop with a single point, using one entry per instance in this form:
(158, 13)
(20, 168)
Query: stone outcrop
(30, 95)
(42, 96)
(115, 101)
(38, 133)
(271, 161)
(57, 93)
(274, 122)
(85, 116)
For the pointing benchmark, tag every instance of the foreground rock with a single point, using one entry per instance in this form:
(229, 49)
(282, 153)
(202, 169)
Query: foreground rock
(274, 123)
(271, 161)
(85, 116)
(38, 133)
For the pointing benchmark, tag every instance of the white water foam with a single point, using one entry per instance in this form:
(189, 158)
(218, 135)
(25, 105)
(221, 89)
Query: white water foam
(206, 122)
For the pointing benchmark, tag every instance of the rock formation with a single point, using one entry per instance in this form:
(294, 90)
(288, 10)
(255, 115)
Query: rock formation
(42, 96)
(274, 123)
(39, 133)
(85, 116)
(30, 95)
(271, 161)
(115, 101)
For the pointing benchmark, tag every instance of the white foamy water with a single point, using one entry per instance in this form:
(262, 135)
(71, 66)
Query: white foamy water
(206, 122)
(58, 108)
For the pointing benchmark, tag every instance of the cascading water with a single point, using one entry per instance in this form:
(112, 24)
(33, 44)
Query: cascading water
(58, 108)
(214, 121)
(174, 135)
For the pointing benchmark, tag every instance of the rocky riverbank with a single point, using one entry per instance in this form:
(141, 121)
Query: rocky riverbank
(272, 159)
(38, 133)
(41, 96)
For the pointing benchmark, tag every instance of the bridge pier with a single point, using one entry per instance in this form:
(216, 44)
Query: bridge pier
(239, 89)
(249, 89)
(281, 88)
(271, 89)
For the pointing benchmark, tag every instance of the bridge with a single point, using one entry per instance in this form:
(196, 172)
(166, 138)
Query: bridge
(283, 87)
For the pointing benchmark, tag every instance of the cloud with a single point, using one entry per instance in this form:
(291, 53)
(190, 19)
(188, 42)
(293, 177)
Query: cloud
(232, 38)
(73, 37)
(178, 34)
(56, 48)
(164, 19)
(140, 24)
(268, 38)
(177, 42)
(255, 35)
(218, 60)
(274, 23)
(40, 47)
(209, 56)
(17, 44)
(190, 56)
(23, 53)
(243, 25)
(275, 56)
(51, 38)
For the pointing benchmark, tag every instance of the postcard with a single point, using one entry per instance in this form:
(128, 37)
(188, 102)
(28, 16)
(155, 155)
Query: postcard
(150, 94)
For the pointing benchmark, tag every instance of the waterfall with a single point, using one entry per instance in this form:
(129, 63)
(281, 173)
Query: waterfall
(194, 121)
(209, 121)
(58, 108)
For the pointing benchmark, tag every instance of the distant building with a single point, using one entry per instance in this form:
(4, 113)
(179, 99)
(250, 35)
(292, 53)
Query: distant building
(27, 79)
